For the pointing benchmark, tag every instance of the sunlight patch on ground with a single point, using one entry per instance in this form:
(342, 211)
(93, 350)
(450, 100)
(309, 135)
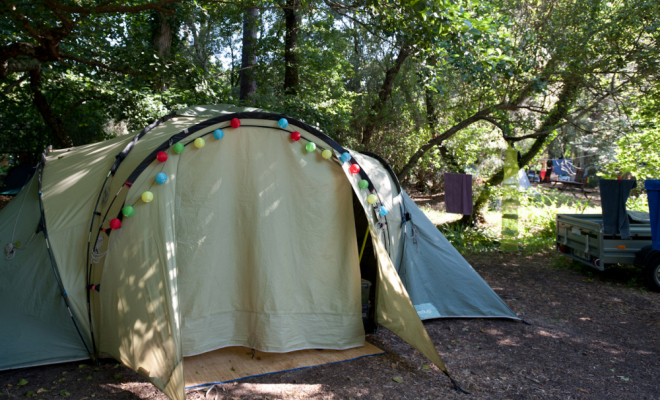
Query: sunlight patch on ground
(277, 389)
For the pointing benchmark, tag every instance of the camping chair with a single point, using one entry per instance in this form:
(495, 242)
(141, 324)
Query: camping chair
(576, 183)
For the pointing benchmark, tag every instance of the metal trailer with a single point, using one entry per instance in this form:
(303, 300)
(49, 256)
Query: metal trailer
(581, 237)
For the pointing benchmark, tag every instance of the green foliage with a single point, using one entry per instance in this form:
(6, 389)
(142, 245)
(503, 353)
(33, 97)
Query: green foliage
(470, 239)
(536, 223)
(638, 152)
(465, 57)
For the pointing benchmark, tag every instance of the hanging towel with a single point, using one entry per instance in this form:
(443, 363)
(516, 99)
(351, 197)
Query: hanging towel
(458, 193)
(653, 191)
(563, 166)
(613, 197)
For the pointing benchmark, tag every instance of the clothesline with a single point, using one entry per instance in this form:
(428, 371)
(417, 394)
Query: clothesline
(572, 158)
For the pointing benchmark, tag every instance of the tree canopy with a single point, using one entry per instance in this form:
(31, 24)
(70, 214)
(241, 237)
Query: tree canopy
(430, 85)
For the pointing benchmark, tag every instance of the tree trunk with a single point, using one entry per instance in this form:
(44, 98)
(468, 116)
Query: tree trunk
(383, 95)
(162, 39)
(52, 121)
(560, 111)
(292, 20)
(248, 59)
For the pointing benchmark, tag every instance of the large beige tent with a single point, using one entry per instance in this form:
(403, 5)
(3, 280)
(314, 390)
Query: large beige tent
(253, 240)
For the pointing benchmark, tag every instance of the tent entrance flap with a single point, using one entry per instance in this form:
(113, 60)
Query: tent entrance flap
(265, 259)
(238, 362)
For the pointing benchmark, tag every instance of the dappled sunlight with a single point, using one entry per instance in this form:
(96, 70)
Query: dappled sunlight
(607, 347)
(268, 189)
(272, 207)
(511, 342)
(277, 389)
(551, 335)
(66, 183)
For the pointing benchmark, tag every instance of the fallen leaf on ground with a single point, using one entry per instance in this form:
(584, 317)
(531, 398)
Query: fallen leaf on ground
(22, 382)
(426, 367)
(398, 379)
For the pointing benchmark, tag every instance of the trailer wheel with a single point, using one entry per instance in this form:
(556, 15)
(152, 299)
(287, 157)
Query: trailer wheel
(652, 272)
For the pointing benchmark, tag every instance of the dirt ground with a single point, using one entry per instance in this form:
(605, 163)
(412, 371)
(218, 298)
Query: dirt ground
(590, 338)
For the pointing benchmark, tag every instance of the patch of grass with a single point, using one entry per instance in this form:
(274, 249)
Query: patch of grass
(536, 223)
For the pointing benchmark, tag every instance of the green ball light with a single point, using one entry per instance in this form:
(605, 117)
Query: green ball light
(363, 184)
(311, 146)
(178, 148)
(128, 211)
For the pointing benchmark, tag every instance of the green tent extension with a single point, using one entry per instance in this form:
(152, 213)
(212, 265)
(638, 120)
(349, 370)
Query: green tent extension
(253, 240)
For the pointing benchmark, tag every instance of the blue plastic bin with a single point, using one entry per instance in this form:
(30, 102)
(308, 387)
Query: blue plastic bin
(653, 191)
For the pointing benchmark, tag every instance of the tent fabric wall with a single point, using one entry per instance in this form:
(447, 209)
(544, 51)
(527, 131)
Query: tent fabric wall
(32, 303)
(389, 196)
(440, 282)
(394, 309)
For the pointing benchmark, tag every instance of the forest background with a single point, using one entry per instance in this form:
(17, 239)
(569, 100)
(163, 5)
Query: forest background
(430, 85)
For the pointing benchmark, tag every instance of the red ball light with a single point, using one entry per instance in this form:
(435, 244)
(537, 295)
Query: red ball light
(161, 156)
(354, 169)
(115, 224)
(235, 123)
(295, 136)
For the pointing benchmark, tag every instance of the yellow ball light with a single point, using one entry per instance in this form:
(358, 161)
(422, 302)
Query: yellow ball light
(326, 154)
(372, 199)
(147, 196)
(199, 143)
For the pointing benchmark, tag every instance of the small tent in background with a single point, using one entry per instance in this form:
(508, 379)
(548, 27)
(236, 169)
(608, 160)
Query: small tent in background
(197, 233)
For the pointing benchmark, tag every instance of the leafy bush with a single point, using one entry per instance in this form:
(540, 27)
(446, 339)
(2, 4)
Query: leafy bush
(536, 222)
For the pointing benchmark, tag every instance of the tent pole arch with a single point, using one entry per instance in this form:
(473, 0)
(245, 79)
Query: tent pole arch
(111, 173)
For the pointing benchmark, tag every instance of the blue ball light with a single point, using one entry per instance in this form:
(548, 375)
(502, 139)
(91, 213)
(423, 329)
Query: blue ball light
(382, 211)
(218, 134)
(161, 178)
(283, 123)
(345, 157)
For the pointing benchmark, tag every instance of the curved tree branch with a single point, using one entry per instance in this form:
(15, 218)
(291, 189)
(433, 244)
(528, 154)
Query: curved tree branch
(437, 140)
